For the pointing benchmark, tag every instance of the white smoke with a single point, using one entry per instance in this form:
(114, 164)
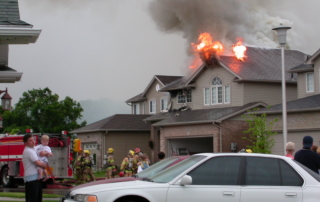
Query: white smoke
(225, 20)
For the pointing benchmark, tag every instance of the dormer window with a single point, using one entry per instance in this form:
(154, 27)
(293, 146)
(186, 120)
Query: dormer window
(310, 82)
(217, 93)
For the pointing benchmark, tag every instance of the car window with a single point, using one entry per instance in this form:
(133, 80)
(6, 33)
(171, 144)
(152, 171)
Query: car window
(157, 167)
(217, 171)
(289, 176)
(308, 170)
(270, 172)
(175, 170)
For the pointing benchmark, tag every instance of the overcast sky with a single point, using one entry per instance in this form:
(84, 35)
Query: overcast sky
(110, 49)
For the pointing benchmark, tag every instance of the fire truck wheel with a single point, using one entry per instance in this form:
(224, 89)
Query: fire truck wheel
(7, 181)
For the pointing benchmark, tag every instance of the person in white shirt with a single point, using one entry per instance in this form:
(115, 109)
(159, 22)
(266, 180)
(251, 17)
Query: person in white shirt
(33, 186)
(45, 150)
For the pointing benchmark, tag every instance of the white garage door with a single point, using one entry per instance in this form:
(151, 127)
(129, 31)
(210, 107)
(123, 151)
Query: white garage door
(295, 137)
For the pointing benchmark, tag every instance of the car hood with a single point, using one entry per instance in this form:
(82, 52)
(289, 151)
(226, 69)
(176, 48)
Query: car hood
(107, 181)
(138, 184)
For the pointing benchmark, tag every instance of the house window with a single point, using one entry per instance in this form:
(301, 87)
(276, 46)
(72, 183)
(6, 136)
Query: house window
(184, 95)
(181, 97)
(164, 104)
(136, 109)
(310, 82)
(189, 96)
(90, 146)
(217, 94)
(207, 96)
(216, 90)
(152, 106)
(227, 94)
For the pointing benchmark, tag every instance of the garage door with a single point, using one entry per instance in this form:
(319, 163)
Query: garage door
(122, 142)
(295, 137)
(182, 146)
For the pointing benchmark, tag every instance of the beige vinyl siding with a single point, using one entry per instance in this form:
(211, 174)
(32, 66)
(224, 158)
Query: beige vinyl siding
(4, 49)
(302, 85)
(205, 80)
(122, 142)
(152, 94)
(269, 93)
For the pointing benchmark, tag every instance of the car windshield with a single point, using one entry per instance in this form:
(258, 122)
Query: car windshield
(172, 172)
(157, 167)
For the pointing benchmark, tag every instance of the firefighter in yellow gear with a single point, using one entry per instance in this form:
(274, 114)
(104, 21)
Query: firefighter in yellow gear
(136, 160)
(78, 166)
(111, 166)
(86, 165)
(127, 164)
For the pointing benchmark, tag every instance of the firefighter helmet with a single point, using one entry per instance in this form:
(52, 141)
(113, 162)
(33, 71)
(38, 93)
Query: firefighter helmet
(131, 152)
(110, 150)
(86, 151)
(248, 150)
(121, 174)
(136, 150)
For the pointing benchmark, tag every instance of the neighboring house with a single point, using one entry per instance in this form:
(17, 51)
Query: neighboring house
(13, 31)
(122, 132)
(151, 101)
(229, 84)
(303, 114)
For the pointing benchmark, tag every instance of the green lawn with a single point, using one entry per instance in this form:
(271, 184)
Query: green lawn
(22, 195)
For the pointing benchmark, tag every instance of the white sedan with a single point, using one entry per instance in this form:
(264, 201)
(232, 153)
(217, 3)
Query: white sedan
(232, 177)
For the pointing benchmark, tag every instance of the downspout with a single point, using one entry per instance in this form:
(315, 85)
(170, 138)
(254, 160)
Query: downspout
(220, 135)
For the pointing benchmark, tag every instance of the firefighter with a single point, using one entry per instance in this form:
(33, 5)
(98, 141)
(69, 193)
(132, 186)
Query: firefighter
(78, 166)
(87, 164)
(127, 164)
(136, 160)
(111, 167)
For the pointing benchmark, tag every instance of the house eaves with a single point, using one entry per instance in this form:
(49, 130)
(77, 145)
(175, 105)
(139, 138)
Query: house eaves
(179, 88)
(288, 111)
(313, 57)
(10, 76)
(302, 68)
(263, 81)
(184, 123)
(18, 35)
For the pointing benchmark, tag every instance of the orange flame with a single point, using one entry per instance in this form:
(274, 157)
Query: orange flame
(207, 47)
(239, 50)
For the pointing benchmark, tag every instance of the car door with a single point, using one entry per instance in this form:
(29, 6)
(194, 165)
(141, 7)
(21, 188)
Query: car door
(216, 179)
(270, 179)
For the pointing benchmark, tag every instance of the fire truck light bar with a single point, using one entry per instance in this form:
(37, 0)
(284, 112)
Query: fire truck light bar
(64, 132)
(29, 131)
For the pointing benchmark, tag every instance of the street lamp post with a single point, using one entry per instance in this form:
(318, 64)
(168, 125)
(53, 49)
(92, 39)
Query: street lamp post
(5, 103)
(282, 35)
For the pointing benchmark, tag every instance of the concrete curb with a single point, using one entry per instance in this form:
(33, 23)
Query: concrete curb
(23, 199)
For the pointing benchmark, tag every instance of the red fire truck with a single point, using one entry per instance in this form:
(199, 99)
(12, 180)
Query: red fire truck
(11, 166)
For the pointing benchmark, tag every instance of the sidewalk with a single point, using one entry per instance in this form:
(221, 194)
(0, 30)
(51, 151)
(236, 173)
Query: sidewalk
(22, 199)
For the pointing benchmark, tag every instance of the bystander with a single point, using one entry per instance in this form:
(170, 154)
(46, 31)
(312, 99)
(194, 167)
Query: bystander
(33, 186)
(306, 156)
(290, 147)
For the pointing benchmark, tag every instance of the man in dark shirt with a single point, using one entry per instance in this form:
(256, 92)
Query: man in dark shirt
(307, 157)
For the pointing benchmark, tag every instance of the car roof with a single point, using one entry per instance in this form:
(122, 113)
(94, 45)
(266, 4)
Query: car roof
(242, 154)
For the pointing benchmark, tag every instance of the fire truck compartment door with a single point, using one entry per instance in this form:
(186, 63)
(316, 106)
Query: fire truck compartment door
(4, 152)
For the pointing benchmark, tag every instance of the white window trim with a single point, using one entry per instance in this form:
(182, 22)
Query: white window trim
(155, 106)
(185, 98)
(166, 100)
(217, 94)
(308, 91)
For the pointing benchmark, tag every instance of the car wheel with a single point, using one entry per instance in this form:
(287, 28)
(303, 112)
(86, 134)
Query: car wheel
(6, 180)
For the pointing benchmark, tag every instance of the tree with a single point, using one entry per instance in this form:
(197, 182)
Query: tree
(42, 111)
(259, 132)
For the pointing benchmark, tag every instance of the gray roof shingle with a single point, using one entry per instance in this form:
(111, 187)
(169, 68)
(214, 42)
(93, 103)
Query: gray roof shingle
(118, 122)
(307, 103)
(302, 68)
(9, 13)
(200, 115)
(261, 64)
(168, 79)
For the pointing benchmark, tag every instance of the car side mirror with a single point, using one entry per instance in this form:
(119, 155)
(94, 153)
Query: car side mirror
(186, 180)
